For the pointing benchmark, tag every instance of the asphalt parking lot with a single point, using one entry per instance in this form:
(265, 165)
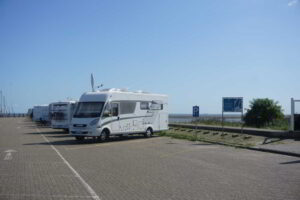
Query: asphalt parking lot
(42, 163)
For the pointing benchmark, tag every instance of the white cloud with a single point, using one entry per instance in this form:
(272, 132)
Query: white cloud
(293, 2)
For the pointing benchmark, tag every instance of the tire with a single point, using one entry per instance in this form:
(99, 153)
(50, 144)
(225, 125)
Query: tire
(148, 133)
(104, 136)
(79, 138)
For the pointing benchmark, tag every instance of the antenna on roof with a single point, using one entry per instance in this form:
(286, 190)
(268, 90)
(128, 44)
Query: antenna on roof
(92, 82)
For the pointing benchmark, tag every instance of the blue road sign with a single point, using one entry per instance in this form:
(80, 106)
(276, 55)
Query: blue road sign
(196, 111)
(232, 104)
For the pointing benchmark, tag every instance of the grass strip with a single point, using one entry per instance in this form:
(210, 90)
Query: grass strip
(199, 137)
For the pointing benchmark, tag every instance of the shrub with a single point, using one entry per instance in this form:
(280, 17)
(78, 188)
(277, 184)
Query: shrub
(263, 112)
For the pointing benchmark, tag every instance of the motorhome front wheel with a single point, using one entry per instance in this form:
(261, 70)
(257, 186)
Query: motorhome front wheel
(104, 136)
(79, 138)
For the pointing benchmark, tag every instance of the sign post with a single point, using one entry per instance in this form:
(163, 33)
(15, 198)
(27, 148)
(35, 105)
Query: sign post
(232, 104)
(196, 111)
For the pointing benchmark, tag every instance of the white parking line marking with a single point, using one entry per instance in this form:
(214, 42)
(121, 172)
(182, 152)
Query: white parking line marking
(8, 155)
(124, 142)
(84, 183)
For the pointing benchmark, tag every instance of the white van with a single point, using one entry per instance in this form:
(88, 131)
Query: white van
(41, 113)
(119, 112)
(61, 114)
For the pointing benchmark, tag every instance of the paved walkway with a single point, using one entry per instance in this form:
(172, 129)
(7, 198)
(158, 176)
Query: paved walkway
(286, 145)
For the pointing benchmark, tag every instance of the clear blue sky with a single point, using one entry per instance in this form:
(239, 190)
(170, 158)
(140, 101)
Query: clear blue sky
(195, 51)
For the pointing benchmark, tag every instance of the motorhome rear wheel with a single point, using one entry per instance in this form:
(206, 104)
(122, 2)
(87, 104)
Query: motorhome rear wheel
(148, 133)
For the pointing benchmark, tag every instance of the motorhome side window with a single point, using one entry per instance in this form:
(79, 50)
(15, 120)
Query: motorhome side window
(144, 106)
(127, 107)
(156, 106)
(115, 109)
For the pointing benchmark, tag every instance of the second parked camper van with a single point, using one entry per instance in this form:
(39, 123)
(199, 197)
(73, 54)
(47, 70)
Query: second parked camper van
(41, 113)
(61, 114)
(119, 112)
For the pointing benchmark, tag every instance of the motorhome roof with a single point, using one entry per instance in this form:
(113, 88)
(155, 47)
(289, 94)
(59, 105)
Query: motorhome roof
(63, 102)
(118, 94)
(116, 90)
(44, 105)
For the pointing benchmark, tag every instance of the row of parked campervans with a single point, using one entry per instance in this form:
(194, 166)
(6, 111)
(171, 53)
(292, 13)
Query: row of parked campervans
(107, 112)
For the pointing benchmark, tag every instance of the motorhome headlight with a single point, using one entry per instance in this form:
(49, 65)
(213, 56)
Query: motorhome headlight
(94, 122)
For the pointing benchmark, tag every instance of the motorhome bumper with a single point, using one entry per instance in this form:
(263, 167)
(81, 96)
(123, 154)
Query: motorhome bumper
(79, 132)
(86, 132)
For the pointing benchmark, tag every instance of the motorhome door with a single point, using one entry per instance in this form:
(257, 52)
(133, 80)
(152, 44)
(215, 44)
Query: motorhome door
(115, 119)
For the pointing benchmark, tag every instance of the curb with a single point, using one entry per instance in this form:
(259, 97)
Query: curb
(274, 151)
(286, 153)
(251, 148)
(257, 149)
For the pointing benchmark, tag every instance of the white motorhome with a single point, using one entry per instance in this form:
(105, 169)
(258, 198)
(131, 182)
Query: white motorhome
(50, 112)
(41, 113)
(119, 112)
(61, 114)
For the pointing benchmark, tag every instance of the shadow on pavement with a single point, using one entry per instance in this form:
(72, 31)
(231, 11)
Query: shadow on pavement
(73, 141)
(291, 162)
(63, 142)
(35, 126)
(52, 131)
(60, 136)
(48, 133)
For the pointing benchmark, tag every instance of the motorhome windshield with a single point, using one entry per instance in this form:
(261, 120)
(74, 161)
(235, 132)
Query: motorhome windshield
(59, 116)
(88, 109)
